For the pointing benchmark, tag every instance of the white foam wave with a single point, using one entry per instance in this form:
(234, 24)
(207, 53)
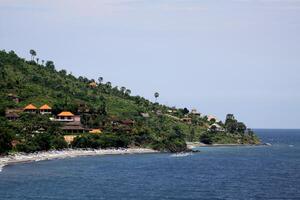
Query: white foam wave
(181, 154)
(1, 167)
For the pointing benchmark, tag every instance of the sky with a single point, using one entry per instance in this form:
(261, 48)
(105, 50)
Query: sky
(218, 56)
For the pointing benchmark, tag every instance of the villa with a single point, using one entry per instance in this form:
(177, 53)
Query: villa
(45, 109)
(30, 109)
(73, 127)
(65, 116)
(95, 131)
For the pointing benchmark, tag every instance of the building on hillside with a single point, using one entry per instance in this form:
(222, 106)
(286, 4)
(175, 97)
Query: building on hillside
(211, 117)
(70, 138)
(12, 116)
(45, 109)
(14, 98)
(187, 120)
(73, 127)
(30, 109)
(93, 85)
(194, 112)
(159, 112)
(122, 125)
(77, 118)
(216, 127)
(145, 115)
(65, 116)
(127, 122)
(95, 131)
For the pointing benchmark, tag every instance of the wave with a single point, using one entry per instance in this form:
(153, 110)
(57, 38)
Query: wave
(1, 167)
(181, 154)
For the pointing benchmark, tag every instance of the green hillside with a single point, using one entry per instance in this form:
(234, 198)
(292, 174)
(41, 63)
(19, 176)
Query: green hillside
(99, 105)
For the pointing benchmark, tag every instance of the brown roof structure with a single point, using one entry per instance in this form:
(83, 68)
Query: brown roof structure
(45, 107)
(30, 107)
(65, 114)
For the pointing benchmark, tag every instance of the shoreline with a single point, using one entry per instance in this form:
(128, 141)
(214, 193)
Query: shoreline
(192, 145)
(67, 153)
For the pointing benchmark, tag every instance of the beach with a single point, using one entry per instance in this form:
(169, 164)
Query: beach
(68, 153)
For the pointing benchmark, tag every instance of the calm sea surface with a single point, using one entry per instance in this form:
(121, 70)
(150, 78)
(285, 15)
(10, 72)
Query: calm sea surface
(265, 172)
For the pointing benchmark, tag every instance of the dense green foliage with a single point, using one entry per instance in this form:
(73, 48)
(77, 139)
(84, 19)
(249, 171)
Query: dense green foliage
(99, 104)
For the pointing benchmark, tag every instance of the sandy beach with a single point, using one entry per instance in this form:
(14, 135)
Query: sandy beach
(68, 153)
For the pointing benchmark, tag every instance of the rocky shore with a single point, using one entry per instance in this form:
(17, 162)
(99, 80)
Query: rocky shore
(68, 153)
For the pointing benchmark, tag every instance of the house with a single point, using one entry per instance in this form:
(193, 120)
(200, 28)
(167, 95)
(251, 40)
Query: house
(127, 122)
(145, 115)
(194, 112)
(211, 117)
(45, 109)
(65, 116)
(95, 131)
(12, 116)
(30, 109)
(216, 127)
(70, 138)
(159, 112)
(73, 127)
(14, 98)
(187, 120)
(93, 85)
(122, 125)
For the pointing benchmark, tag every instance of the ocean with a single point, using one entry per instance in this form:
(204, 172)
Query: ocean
(249, 172)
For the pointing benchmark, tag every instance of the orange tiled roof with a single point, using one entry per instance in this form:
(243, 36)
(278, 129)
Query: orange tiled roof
(30, 107)
(45, 107)
(65, 114)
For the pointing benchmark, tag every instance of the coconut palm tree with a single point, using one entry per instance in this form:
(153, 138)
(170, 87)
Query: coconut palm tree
(32, 53)
(127, 92)
(100, 79)
(122, 89)
(156, 95)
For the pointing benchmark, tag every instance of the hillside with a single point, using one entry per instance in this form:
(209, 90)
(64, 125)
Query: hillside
(124, 119)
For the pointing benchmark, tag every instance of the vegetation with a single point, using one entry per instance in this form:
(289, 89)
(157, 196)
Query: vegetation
(100, 105)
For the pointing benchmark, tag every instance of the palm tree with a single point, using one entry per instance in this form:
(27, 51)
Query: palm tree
(43, 62)
(37, 60)
(127, 92)
(100, 79)
(156, 95)
(32, 53)
(122, 89)
(108, 84)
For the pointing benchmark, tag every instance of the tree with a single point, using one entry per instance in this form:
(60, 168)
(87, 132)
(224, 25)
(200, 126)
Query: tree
(156, 95)
(185, 111)
(241, 127)
(122, 89)
(128, 92)
(100, 79)
(50, 65)
(37, 60)
(5, 139)
(32, 53)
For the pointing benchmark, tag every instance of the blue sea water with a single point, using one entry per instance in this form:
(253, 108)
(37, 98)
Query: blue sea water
(263, 172)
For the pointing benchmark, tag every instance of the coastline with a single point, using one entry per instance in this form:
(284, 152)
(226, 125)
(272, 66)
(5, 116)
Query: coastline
(192, 145)
(68, 153)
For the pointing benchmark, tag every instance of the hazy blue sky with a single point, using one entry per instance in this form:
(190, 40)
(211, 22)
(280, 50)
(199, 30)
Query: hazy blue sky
(234, 56)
